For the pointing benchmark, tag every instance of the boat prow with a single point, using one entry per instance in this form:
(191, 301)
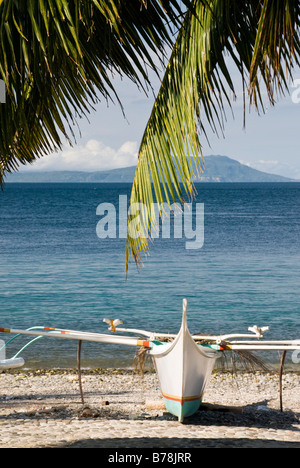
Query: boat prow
(183, 369)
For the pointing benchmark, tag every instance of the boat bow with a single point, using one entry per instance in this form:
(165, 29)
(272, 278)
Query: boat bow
(183, 369)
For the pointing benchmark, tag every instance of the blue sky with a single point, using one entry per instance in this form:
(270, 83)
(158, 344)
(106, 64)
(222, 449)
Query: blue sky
(269, 142)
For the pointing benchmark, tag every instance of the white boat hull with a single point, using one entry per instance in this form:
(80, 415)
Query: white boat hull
(183, 369)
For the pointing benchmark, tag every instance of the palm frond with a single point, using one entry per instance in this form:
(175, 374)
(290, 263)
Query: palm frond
(58, 57)
(259, 37)
(170, 152)
(276, 48)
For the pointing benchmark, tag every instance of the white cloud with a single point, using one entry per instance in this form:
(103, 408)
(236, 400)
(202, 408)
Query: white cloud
(268, 163)
(93, 156)
(274, 167)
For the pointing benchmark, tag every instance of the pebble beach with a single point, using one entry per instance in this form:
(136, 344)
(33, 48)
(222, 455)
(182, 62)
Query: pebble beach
(122, 409)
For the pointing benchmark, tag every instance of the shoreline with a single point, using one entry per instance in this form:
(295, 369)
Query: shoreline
(42, 408)
(149, 369)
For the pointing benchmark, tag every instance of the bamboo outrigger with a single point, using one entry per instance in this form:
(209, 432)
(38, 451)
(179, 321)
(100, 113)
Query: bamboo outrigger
(183, 364)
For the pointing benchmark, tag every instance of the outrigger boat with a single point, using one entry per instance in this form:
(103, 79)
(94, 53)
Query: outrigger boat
(183, 362)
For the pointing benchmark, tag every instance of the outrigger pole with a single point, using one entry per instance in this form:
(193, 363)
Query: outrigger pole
(218, 343)
(83, 336)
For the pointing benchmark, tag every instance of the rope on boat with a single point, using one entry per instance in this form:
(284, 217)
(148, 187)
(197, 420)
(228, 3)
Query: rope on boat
(140, 360)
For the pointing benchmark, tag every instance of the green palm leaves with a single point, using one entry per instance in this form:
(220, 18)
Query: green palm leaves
(262, 39)
(276, 48)
(57, 57)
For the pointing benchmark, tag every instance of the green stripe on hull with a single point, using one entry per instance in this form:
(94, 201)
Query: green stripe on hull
(180, 410)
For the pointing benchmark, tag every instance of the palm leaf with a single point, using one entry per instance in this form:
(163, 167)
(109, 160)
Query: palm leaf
(57, 57)
(276, 48)
(170, 150)
(259, 37)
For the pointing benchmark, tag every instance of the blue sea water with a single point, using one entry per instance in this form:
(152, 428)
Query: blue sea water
(56, 271)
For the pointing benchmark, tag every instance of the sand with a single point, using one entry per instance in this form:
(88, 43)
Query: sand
(43, 409)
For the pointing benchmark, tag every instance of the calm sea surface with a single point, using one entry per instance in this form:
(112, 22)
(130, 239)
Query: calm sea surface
(55, 271)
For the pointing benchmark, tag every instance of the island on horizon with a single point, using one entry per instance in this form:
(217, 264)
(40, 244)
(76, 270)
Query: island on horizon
(217, 169)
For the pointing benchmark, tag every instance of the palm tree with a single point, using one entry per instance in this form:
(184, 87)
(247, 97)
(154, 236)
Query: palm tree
(57, 56)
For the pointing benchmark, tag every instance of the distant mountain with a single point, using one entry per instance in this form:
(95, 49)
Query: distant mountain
(224, 169)
(217, 169)
(124, 175)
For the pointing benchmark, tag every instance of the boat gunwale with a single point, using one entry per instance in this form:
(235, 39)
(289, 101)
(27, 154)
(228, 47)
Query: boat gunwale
(159, 351)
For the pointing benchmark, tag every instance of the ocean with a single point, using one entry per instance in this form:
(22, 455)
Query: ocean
(56, 271)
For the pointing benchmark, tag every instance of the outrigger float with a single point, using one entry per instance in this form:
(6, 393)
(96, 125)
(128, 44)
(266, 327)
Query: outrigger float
(183, 362)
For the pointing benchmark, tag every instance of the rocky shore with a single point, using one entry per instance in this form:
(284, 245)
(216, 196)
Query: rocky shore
(121, 409)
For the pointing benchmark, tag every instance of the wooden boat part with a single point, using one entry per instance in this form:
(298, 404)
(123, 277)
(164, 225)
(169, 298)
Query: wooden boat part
(272, 342)
(260, 347)
(256, 333)
(183, 369)
(69, 335)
